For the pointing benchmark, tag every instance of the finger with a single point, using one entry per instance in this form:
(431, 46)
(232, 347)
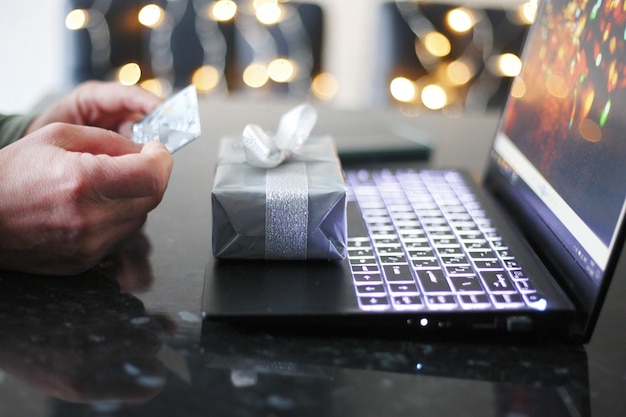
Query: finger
(87, 139)
(111, 97)
(142, 174)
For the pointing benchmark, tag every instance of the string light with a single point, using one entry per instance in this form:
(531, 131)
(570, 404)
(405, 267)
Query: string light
(163, 17)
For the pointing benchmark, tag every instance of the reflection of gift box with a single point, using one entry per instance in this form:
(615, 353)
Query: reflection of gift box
(294, 211)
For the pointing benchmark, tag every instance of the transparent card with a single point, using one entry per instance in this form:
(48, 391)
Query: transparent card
(175, 123)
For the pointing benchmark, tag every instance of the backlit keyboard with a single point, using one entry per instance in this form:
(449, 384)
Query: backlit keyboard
(426, 243)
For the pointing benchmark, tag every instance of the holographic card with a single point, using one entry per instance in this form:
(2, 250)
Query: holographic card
(175, 123)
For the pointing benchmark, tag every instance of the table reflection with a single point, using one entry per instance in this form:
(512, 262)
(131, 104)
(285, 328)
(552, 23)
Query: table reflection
(84, 339)
(89, 347)
(362, 376)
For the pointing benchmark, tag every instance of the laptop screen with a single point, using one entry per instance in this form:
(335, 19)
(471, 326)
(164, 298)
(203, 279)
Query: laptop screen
(561, 140)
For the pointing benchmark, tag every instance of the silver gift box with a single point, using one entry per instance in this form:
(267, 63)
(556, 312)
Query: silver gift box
(295, 211)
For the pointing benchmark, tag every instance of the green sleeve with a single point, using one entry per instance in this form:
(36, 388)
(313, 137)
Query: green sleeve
(13, 127)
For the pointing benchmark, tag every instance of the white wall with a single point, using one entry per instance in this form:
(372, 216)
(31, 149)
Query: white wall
(31, 50)
(31, 46)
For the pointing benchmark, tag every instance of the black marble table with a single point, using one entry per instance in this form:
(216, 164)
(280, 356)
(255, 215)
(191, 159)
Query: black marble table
(127, 338)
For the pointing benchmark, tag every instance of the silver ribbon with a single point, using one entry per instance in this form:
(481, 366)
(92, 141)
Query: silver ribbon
(287, 195)
(286, 212)
(268, 151)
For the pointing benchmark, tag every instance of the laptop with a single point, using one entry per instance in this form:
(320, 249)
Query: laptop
(530, 249)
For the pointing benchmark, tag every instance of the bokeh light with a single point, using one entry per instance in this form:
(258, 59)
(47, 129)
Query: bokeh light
(590, 130)
(325, 86)
(160, 87)
(403, 89)
(151, 15)
(528, 11)
(509, 65)
(206, 78)
(268, 12)
(281, 70)
(434, 97)
(557, 86)
(437, 44)
(518, 88)
(129, 74)
(77, 19)
(460, 20)
(223, 10)
(255, 75)
(459, 72)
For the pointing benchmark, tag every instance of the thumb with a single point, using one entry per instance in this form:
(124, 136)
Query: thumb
(143, 174)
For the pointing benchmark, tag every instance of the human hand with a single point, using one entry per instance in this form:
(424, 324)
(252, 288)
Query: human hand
(70, 193)
(108, 105)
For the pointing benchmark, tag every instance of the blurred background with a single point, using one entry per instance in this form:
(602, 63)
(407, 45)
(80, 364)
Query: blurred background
(447, 56)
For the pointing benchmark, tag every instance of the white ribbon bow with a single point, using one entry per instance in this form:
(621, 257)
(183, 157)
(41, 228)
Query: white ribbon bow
(294, 128)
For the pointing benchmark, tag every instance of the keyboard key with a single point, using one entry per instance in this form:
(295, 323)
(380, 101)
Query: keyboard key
(433, 281)
(403, 288)
(491, 264)
(471, 244)
(511, 264)
(450, 251)
(367, 278)
(425, 263)
(508, 300)
(408, 302)
(466, 284)
(388, 250)
(455, 270)
(518, 274)
(364, 252)
(441, 301)
(393, 259)
(497, 281)
(363, 260)
(374, 302)
(475, 300)
(421, 253)
(395, 273)
(370, 289)
(455, 260)
(482, 254)
(525, 286)
(364, 269)
(418, 243)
